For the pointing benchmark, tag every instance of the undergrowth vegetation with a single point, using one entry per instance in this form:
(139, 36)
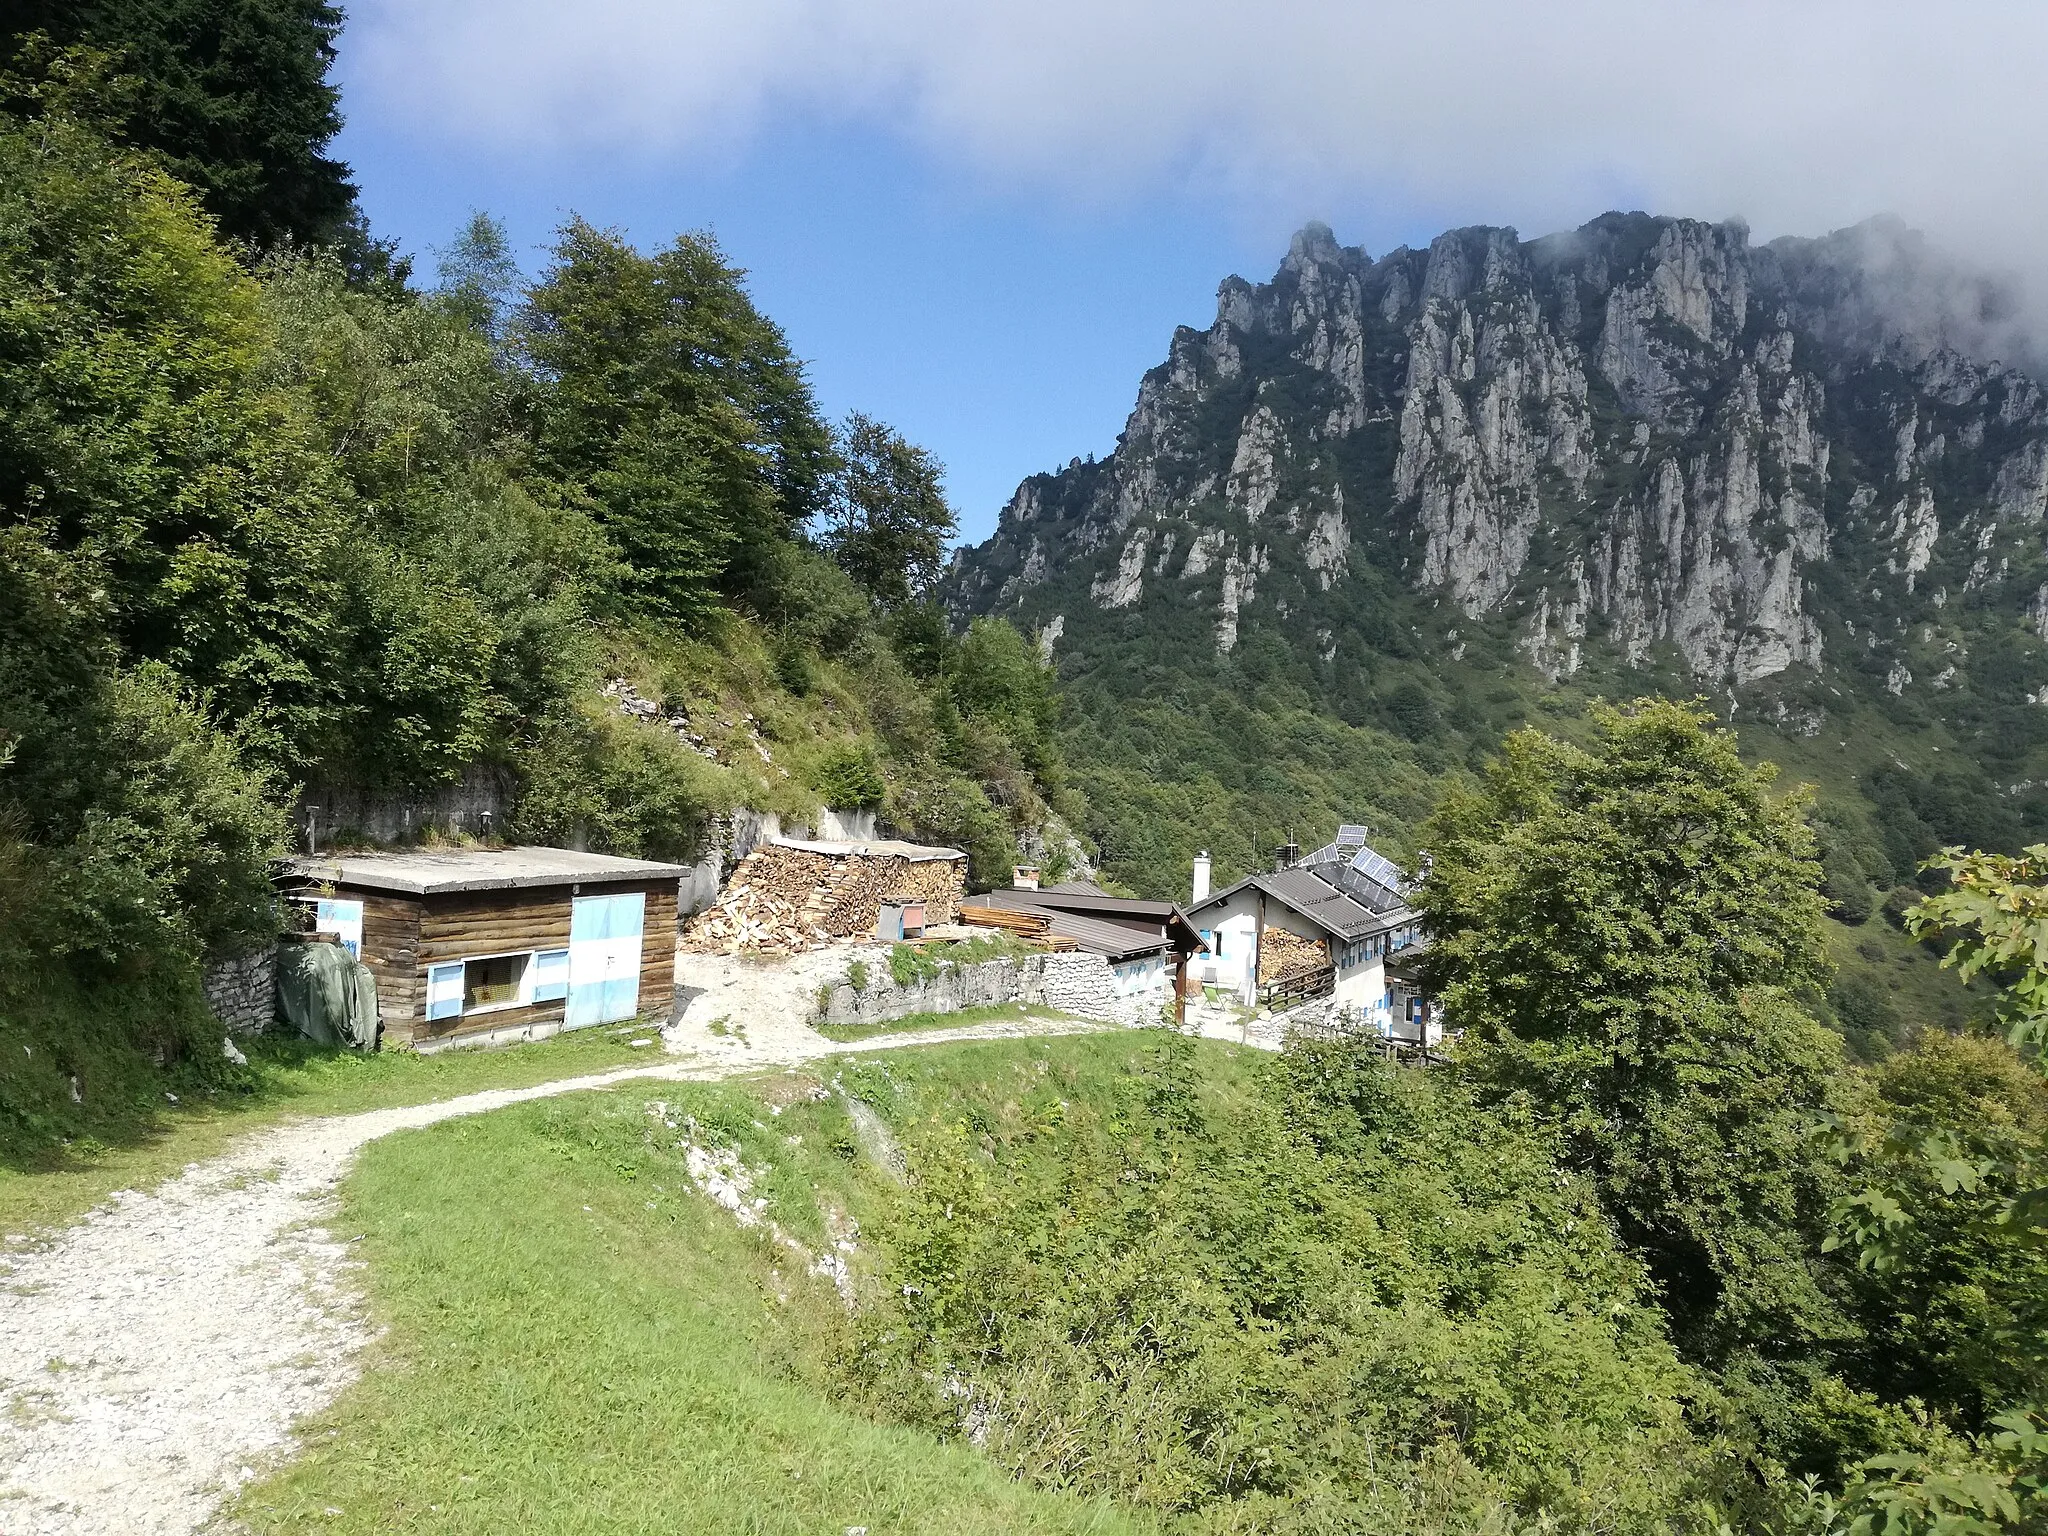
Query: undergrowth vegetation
(1207, 1288)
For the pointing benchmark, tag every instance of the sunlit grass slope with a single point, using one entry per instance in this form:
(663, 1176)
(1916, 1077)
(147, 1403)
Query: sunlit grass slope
(577, 1342)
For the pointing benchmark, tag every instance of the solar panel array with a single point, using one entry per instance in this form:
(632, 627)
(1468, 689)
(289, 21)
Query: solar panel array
(1365, 876)
(1379, 870)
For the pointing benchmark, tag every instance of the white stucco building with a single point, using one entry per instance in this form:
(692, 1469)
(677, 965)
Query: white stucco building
(1343, 900)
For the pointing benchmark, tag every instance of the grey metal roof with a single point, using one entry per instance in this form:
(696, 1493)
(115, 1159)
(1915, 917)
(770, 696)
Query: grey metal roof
(1111, 940)
(1116, 926)
(425, 871)
(1306, 891)
(1315, 898)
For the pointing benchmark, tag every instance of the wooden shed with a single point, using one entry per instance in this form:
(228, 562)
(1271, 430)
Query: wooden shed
(492, 944)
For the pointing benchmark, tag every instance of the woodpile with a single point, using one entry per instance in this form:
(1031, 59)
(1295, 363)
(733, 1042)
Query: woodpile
(1283, 953)
(782, 900)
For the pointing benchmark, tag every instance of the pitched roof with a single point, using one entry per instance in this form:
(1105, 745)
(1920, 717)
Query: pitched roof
(422, 871)
(1308, 893)
(1116, 927)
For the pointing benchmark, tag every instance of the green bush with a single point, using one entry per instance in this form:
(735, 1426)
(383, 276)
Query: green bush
(592, 776)
(1320, 1299)
(847, 778)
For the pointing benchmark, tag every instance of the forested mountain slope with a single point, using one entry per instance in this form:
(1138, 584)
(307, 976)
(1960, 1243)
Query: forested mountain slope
(1381, 509)
(276, 521)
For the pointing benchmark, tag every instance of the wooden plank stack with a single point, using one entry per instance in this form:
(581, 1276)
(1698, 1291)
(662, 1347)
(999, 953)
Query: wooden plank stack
(1025, 925)
(782, 900)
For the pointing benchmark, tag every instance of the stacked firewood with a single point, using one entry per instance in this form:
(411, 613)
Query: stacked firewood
(781, 900)
(764, 905)
(852, 903)
(938, 883)
(1282, 953)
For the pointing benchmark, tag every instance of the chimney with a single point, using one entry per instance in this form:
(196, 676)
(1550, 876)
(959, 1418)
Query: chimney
(1023, 877)
(1286, 856)
(1201, 878)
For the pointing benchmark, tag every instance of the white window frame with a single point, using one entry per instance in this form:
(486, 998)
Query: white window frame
(562, 956)
(525, 997)
(528, 976)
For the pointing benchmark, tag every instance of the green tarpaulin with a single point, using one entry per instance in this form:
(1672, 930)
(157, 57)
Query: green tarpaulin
(329, 994)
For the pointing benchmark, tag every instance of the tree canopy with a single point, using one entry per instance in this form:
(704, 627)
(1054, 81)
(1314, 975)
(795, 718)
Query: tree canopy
(1621, 929)
(888, 522)
(232, 94)
(676, 408)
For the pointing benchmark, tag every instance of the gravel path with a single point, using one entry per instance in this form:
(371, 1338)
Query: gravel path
(154, 1357)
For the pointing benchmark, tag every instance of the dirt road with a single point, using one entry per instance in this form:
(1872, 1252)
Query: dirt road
(154, 1357)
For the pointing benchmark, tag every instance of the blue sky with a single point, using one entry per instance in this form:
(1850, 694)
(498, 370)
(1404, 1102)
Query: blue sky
(1006, 335)
(981, 221)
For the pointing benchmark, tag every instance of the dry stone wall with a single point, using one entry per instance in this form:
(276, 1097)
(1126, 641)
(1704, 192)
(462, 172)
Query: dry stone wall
(242, 992)
(1080, 984)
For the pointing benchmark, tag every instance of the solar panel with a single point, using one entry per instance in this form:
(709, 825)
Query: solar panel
(1351, 837)
(1380, 870)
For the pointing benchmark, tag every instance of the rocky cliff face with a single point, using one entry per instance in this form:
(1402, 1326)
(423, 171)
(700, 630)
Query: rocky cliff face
(1648, 438)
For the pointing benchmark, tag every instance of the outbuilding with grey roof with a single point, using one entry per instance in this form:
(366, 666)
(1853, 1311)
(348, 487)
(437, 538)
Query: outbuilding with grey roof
(490, 944)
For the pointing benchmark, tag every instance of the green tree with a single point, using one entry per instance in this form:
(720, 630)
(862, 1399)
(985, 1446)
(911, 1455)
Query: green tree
(1947, 1213)
(676, 408)
(888, 522)
(139, 436)
(232, 94)
(1619, 929)
(479, 277)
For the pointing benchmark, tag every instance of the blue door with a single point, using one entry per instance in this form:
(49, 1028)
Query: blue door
(604, 958)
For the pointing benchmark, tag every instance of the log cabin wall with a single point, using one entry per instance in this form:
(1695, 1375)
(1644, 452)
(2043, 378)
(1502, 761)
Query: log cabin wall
(391, 941)
(468, 925)
(658, 950)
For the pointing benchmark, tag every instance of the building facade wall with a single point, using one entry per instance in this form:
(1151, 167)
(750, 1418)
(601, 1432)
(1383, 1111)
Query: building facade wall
(1231, 928)
(404, 936)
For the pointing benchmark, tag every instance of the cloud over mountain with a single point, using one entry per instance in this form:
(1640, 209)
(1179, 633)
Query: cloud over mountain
(1797, 116)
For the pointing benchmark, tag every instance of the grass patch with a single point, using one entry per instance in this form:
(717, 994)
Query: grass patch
(580, 1343)
(912, 1023)
(912, 963)
(1111, 1233)
(286, 1076)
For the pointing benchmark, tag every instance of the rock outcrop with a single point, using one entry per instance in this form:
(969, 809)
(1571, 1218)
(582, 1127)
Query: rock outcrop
(1649, 434)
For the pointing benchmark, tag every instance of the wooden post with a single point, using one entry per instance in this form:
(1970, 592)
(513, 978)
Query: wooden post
(1180, 988)
(1258, 946)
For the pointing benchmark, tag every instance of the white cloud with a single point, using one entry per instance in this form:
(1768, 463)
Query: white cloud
(1799, 115)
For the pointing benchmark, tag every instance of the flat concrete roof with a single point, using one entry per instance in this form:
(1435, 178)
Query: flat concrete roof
(427, 871)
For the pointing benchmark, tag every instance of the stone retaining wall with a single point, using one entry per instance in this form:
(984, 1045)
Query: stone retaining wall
(243, 992)
(881, 1001)
(1084, 984)
(1072, 983)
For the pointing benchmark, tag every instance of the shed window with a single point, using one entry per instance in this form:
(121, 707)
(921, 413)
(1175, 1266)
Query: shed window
(444, 990)
(551, 975)
(494, 982)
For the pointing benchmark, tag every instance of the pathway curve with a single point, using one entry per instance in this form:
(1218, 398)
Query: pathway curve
(154, 1357)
